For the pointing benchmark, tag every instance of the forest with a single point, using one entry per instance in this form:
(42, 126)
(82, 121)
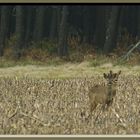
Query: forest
(63, 30)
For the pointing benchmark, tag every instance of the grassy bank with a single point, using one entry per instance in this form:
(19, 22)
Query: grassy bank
(64, 70)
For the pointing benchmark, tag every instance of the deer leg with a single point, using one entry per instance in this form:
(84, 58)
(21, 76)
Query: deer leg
(92, 107)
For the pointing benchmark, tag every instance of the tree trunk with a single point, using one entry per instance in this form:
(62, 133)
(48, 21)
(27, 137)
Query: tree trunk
(112, 30)
(28, 33)
(138, 23)
(132, 20)
(62, 41)
(86, 24)
(58, 22)
(4, 27)
(53, 28)
(19, 32)
(101, 19)
(39, 23)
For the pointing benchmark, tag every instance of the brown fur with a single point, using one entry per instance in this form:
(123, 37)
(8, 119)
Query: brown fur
(104, 94)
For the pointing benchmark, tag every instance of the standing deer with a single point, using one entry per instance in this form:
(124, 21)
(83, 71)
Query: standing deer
(104, 94)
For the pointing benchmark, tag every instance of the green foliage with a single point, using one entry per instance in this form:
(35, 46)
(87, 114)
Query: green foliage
(45, 53)
(41, 51)
(95, 63)
(6, 63)
(10, 46)
(76, 57)
(50, 46)
(99, 60)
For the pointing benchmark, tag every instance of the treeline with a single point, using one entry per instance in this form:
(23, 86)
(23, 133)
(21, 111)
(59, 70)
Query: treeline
(100, 25)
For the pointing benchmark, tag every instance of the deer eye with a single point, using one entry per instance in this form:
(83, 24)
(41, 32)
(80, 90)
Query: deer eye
(115, 80)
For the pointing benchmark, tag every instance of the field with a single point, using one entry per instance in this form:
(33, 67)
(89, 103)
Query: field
(54, 100)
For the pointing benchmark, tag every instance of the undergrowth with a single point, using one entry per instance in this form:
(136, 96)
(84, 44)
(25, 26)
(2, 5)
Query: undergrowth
(95, 61)
(45, 53)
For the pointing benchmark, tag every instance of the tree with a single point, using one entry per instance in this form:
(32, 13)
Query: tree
(138, 23)
(28, 23)
(62, 41)
(19, 32)
(112, 30)
(53, 28)
(4, 27)
(131, 22)
(86, 24)
(101, 18)
(39, 23)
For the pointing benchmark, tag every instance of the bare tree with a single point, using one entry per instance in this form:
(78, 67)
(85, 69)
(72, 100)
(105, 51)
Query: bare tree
(62, 41)
(19, 32)
(29, 18)
(101, 18)
(53, 28)
(4, 27)
(112, 30)
(39, 23)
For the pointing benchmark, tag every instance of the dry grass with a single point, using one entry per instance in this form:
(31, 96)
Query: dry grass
(66, 70)
(54, 100)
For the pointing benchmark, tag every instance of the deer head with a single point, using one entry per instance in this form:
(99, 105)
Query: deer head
(112, 79)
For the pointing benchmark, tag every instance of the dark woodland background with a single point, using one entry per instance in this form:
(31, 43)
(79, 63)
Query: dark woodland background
(59, 30)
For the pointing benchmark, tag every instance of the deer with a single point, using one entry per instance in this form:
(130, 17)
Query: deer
(103, 94)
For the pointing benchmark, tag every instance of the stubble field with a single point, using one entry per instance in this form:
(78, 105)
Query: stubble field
(42, 104)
